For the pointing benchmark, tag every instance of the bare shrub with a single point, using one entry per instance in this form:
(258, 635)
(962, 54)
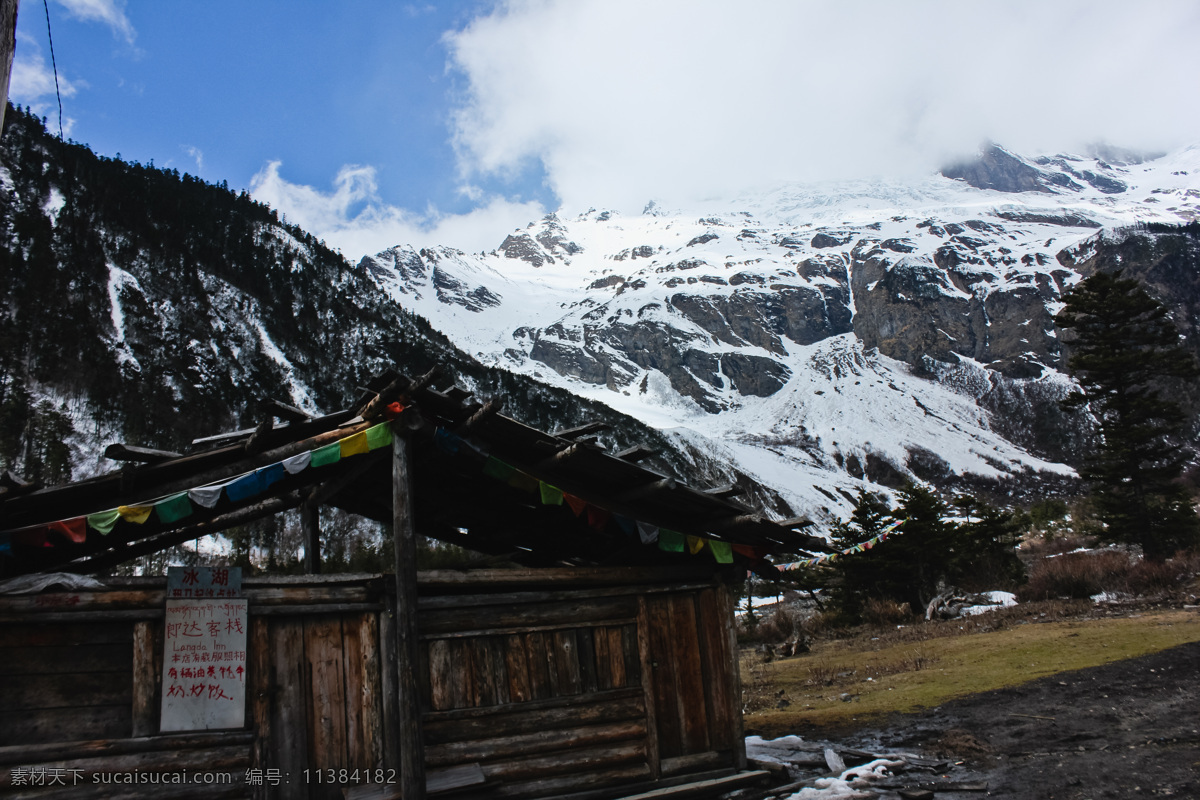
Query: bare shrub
(1076, 575)
(886, 612)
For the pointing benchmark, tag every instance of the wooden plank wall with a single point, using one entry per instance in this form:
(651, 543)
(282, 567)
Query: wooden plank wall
(562, 690)
(66, 681)
(542, 686)
(322, 700)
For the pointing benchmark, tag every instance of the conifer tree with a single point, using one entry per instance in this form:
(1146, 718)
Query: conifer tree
(1124, 352)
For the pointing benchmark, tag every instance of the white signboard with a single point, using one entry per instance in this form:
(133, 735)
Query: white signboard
(204, 665)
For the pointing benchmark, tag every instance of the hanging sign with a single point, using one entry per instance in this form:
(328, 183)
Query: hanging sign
(212, 582)
(204, 657)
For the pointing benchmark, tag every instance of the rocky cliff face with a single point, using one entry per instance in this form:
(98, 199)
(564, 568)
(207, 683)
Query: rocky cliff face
(763, 323)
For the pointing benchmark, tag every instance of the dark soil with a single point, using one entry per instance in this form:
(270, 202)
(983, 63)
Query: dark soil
(1126, 729)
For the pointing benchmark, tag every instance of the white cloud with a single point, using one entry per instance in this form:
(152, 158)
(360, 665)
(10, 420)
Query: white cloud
(197, 154)
(354, 219)
(32, 82)
(621, 100)
(107, 12)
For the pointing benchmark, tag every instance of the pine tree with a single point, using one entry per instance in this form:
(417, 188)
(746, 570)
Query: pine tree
(1124, 352)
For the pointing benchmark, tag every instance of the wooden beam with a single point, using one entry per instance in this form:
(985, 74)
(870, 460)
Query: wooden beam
(489, 408)
(143, 455)
(636, 453)
(412, 745)
(283, 411)
(724, 492)
(399, 387)
(310, 524)
(582, 430)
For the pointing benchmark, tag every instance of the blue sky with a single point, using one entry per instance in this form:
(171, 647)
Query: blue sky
(377, 123)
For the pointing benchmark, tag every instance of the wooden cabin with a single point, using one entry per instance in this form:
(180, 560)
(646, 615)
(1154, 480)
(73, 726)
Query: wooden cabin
(605, 666)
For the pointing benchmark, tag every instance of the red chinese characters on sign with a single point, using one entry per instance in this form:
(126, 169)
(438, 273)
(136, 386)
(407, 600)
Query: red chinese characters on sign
(204, 665)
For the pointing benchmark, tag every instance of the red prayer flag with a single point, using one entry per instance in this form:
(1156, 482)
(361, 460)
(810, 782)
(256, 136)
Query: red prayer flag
(598, 517)
(577, 505)
(73, 529)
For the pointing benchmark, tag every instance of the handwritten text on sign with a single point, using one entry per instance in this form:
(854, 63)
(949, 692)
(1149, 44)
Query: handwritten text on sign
(204, 665)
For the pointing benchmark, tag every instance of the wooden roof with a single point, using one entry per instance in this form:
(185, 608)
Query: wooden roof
(453, 440)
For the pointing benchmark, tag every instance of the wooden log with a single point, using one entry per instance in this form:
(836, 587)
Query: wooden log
(558, 786)
(581, 759)
(564, 613)
(66, 724)
(553, 714)
(412, 745)
(209, 759)
(58, 659)
(479, 579)
(695, 762)
(143, 455)
(315, 610)
(440, 602)
(145, 710)
(544, 741)
(38, 634)
(100, 748)
(636, 453)
(705, 788)
(33, 692)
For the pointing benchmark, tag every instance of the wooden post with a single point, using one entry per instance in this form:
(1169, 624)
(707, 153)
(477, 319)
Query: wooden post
(145, 680)
(412, 745)
(8, 43)
(310, 523)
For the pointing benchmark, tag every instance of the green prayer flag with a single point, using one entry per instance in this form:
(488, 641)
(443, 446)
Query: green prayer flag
(551, 495)
(495, 468)
(174, 508)
(379, 436)
(721, 551)
(670, 541)
(329, 454)
(104, 520)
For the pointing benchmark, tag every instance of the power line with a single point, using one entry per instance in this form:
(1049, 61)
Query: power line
(46, 5)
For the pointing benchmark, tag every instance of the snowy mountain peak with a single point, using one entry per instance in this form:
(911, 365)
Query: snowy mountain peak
(830, 334)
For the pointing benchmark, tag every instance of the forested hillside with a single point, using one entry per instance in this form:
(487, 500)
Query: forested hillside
(146, 306)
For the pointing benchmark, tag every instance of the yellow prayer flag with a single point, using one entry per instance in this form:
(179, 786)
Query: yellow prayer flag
(138, 514)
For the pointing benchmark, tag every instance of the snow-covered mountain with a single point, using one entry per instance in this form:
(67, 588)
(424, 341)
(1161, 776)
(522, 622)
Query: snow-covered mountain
(824, 337)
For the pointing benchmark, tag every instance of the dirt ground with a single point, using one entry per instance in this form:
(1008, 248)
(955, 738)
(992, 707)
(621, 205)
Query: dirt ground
(1126, 729)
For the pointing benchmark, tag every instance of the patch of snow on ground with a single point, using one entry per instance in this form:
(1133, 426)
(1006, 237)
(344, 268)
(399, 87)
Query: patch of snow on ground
(998, 600)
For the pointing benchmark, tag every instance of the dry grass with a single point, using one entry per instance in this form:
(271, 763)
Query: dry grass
(925, 665)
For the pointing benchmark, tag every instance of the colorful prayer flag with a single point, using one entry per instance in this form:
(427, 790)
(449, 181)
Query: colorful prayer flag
(379, 436)
(354, 445)
(135, 514)
(551, 495)
(721, 551)
(103, 521)
(329, 454)
(173, 508)
(670, 541)
(73, 529)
